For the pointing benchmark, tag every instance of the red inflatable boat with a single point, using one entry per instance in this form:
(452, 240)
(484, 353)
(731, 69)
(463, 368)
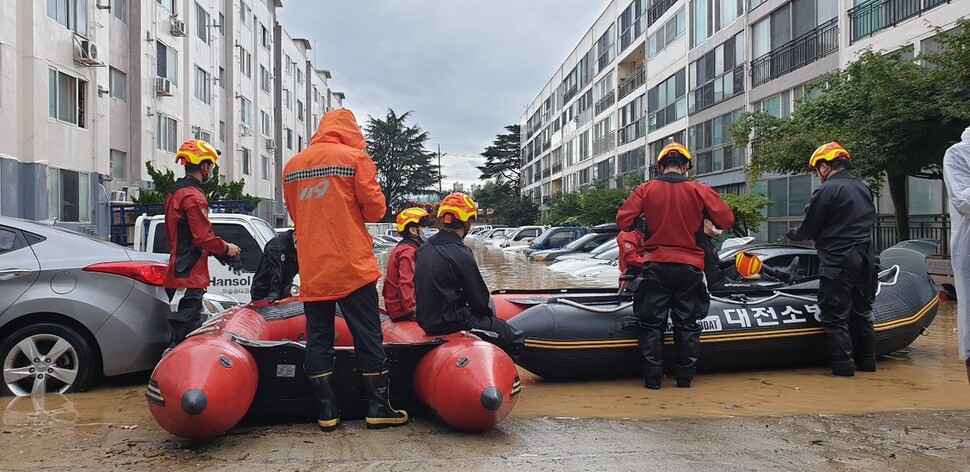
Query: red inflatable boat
(249, 361)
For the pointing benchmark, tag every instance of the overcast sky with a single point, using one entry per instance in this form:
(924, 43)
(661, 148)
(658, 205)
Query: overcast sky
(467, 68)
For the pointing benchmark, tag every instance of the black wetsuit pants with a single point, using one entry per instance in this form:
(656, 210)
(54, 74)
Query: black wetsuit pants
(489, 328)
(188, 316)
(845, 299)
(364, 320)
(676, 291)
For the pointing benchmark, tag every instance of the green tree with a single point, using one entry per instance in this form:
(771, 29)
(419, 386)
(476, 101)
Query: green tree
(884, 109)
(509, 209)
(563, 208)
(748, 211)
(163, 181)
(502, 159)
(403, 163)
(599, 204)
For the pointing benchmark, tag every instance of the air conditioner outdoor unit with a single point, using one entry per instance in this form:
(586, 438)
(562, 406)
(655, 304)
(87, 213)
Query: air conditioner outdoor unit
(87, 53)
(163, 86)
(178, 28)
(270, 144)
(245, 130)
(119, 196)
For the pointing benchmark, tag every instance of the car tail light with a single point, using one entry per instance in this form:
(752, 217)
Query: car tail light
(151, 273)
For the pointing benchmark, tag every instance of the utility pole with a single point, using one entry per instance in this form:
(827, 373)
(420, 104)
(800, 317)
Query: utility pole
(439, 168)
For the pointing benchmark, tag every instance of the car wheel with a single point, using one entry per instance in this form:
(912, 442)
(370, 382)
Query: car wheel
(46, 358)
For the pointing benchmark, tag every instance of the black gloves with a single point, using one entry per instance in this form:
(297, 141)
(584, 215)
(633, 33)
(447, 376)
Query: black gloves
(235, 264)
(273, 297)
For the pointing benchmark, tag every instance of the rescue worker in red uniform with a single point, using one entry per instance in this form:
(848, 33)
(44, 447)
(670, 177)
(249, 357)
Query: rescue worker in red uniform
(839, 218)
(673, 279)
(451, 294)
(191, 239)
(331, 190)
(399, 282)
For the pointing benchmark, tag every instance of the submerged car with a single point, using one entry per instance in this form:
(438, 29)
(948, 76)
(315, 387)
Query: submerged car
(75, 308)
(583, 246)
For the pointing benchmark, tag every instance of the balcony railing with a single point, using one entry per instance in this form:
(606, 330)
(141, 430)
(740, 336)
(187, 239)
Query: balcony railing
(629, 84)
(801, 51)
(876, 15)
(607, 101)
(632, 131)
(657, 9)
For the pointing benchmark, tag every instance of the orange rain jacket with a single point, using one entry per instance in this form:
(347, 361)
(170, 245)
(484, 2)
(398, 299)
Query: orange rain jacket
(330, 190)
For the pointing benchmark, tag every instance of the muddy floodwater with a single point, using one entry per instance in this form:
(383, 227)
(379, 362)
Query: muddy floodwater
(913, 414)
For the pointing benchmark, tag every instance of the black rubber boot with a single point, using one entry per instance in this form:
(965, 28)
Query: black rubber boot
(786, 275)
(843, 368)
(380, 414)
(685, 375)
(652, 377)
(328, 416)
(866, 363)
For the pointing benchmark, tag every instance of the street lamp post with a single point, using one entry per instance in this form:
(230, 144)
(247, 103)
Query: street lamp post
(439, 168)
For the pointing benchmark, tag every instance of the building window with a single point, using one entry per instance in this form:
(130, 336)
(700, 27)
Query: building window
(222, 131)
(289, 64)
(631, 23)
(167, 4)
(245, 110)
(222, 78)
(299, 143)
(793, 36)
(712, 145)
(299, 110)
(299, 75)
(167, 62)
(245, 62)
(69, 195)
(289, 138)
(73, 14)
(710, 16)
(718, 75)
(246, 158)
(66, 98)
(264, 161)
(202, 20)
(244, 13)
(631, 121)
(166, 134)
(265, 37)
(265, 124)
(118, 9)
(119, 164)
(666, 34)
(199, 133)
(264, 79)
(222, 24)
(288, 99)
(203, 85)
(116, 83)
(666, 102)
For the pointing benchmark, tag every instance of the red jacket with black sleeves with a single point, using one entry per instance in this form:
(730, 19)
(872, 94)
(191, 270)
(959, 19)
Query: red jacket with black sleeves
(674, 209)
(190, 236)
(399, 284)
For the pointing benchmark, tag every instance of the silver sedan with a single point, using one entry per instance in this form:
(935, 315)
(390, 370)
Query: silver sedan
(74, 309)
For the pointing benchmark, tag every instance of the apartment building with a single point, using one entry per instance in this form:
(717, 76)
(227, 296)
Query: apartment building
(124, 82)
(648, 71)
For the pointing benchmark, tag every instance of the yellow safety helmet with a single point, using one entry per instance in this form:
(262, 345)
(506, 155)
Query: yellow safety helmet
(672, 149)
(196, 151)
(748, 264)
(458, 205)
(828, 152)
(414, 215)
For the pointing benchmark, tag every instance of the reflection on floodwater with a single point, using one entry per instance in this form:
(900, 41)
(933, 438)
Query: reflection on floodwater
(926, 375)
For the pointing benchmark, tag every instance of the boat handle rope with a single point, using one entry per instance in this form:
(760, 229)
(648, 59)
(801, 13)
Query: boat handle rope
(622, 306)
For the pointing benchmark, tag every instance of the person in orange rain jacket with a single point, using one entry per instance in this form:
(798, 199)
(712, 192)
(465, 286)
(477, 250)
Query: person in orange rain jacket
(331, 189)
(399, 283)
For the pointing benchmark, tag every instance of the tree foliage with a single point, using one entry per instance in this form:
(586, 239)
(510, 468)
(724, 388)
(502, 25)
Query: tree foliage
(748, 211)
(592, 206)
(502, 159)
(894, 115)
(163, 180)
(510, 209)
(404, 165)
